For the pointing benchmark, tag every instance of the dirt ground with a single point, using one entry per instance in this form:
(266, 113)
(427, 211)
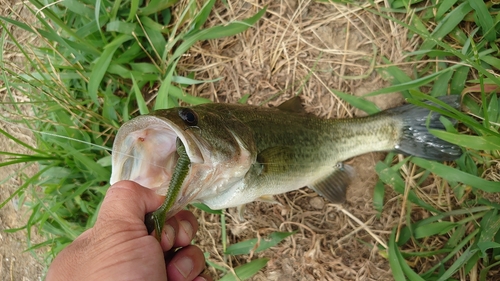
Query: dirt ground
(297, 47)
(16, 262)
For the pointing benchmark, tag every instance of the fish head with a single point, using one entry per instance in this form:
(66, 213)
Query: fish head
(219, 148)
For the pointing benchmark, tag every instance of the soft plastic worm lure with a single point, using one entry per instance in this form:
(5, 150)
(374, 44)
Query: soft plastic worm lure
(156, 219)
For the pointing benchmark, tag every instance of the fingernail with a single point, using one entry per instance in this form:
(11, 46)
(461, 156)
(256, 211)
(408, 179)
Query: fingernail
(184, 265)
(188, 228)
(170, 232)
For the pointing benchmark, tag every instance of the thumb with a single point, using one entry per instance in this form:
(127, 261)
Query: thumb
(128, 201)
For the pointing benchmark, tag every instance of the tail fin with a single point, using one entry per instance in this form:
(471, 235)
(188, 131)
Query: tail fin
(417, 140)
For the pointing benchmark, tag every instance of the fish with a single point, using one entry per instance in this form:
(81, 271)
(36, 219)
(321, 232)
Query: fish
(239, 153)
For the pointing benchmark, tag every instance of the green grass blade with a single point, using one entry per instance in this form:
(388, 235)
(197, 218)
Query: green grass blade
(123, 27)
(398, 75)
(474, 142)
(134, 7)
(391, 176)
(79, 8)
(163, 100)
(189, 81)
(156, 39)
(465, 240)
(232, 28)
(459, 262)
(412, 84)
(213, 264)
(483, 275)
(448, 111)
(48, 13)
(20, 142)
(88, 164)
(444, 7)
(441, 84)
(490, 225)
(177, 92)
(141, 103)
(155, 6)
(217, 32)
(453, 175)
(18, 24)
(102, 63)
(447, 24)
(202, 17)
(257, 245)
(459, 79)
(436, 228)
(246, 271)
(491, 60)
(494, 109)
(358, 102)
(484, 19)
(97, 11)
(412, 275)
(394, 258)
(378, 197)
(30, 181)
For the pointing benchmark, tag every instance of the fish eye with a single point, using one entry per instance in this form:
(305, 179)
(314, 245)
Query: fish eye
(188, 116)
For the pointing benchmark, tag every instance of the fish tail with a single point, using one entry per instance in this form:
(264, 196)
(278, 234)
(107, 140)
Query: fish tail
(416, 139)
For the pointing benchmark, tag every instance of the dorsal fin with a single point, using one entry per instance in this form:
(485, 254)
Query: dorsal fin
(292, 105)
(334, 186)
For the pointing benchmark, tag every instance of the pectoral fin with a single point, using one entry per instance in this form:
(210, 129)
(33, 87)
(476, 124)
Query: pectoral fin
(334, 186)
(276, 160)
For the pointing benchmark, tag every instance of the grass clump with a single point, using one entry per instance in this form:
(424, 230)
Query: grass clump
(458, 54)
(462, 235)
(93, 64)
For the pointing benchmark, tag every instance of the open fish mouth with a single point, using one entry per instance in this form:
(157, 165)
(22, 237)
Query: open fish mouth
(145, 151)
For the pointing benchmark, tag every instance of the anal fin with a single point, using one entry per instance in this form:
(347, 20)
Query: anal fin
(334, 186)
(268, 199)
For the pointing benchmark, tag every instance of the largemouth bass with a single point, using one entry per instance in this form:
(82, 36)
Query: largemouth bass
(240, 153)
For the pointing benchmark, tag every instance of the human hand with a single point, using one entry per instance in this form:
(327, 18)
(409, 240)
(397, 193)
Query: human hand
(118, 247)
